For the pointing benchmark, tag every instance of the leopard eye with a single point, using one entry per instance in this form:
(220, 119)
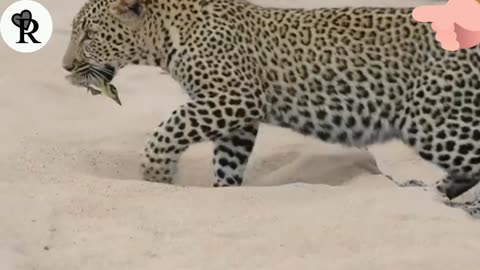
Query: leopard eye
(89, 34)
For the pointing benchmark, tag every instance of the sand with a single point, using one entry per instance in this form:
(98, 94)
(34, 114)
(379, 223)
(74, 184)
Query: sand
(71, 195)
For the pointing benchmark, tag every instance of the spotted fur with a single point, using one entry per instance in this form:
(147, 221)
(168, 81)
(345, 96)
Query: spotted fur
(351, 76)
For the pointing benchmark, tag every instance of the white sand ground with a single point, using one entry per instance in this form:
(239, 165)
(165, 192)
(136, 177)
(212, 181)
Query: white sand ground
(71, 198)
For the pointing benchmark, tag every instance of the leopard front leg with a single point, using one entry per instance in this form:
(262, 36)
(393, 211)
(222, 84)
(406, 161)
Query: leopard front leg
(162, 152)
(231, 155)
(192, 123)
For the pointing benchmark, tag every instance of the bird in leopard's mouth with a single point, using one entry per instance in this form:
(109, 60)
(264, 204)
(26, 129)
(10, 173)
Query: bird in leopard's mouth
(96, 79)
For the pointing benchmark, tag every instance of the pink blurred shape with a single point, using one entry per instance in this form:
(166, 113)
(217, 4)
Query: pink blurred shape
(457, 23)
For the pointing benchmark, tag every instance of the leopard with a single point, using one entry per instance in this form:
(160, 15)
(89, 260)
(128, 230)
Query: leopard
(351, 76)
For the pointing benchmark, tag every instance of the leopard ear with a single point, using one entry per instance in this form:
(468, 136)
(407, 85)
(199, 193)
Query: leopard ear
(129, 11)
